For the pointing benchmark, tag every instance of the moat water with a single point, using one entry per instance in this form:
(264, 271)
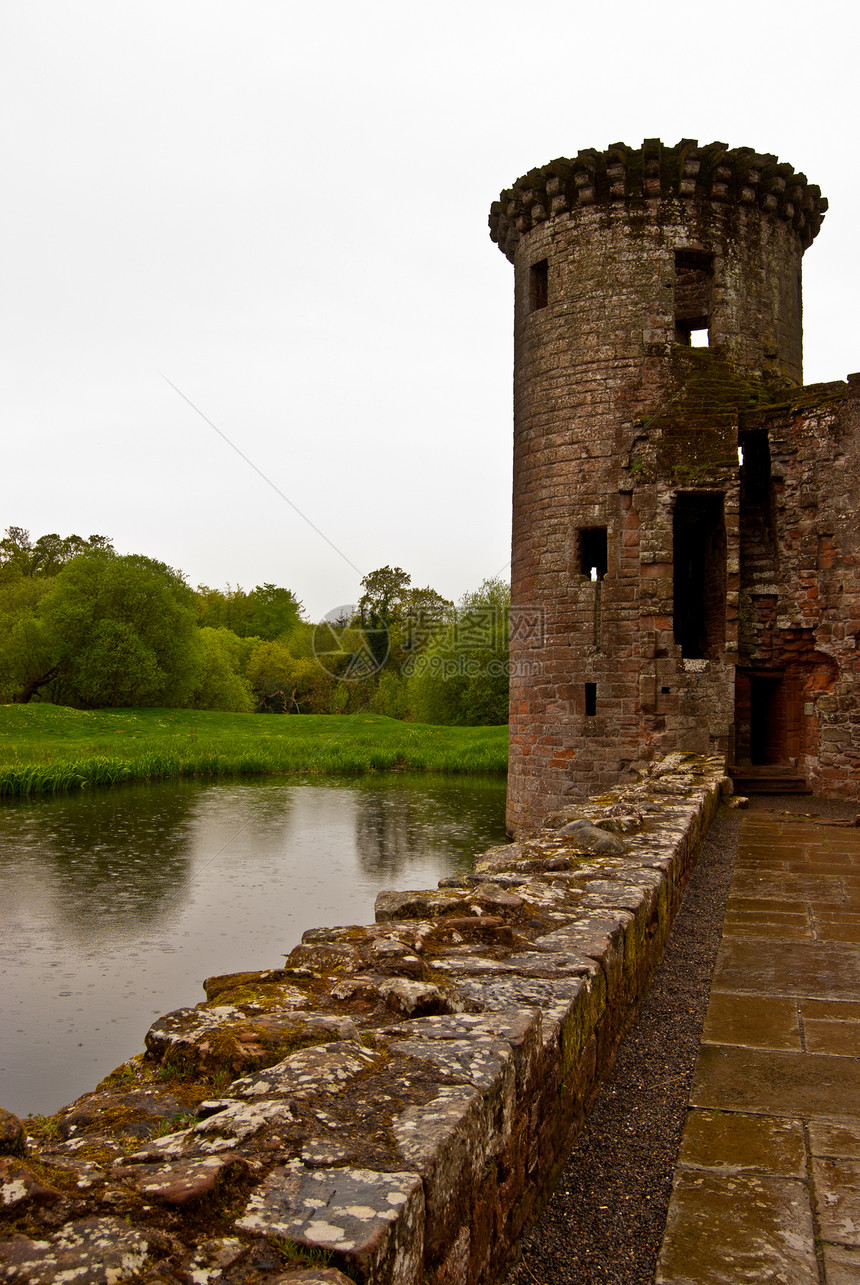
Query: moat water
(114, 906)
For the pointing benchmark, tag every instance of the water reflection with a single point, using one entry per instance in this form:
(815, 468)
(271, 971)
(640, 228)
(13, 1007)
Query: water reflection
(395, 826)
(114, 906)
(110, 860)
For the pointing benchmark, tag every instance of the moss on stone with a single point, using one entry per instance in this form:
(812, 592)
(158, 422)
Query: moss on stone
(215, 986)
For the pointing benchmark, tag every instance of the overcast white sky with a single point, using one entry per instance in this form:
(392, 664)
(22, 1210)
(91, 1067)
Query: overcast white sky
(282, 209)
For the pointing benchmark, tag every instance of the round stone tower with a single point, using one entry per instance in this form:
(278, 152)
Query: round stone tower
(657, 295)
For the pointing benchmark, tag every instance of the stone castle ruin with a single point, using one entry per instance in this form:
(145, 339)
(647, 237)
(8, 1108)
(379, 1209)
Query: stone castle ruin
(686, 548)
(397, 1099)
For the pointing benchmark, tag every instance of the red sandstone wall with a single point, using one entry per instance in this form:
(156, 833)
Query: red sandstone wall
(805, 624)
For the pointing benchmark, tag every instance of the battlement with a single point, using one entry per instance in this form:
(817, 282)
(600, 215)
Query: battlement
(653, 172)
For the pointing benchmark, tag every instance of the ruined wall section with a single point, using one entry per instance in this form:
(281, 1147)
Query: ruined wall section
(802, 606)
(617, 256)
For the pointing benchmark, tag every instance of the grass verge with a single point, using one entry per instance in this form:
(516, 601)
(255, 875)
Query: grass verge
(48, 749)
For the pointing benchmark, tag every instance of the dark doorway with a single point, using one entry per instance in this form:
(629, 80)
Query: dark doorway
(699, 539)
(767, 733)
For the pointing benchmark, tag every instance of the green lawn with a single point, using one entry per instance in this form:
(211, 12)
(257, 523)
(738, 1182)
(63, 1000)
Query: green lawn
(48, 748)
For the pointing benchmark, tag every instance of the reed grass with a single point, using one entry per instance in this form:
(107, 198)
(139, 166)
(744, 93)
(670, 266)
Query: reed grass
(52, 749)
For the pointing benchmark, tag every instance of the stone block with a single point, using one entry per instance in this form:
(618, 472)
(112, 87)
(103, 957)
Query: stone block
(374, 1221)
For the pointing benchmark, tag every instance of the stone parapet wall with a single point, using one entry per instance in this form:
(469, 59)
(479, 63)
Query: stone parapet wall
(394, 1103)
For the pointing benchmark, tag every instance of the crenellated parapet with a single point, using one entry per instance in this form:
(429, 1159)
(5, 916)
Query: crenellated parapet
(653, 172)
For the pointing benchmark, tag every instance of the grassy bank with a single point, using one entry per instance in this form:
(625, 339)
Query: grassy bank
(49, 748)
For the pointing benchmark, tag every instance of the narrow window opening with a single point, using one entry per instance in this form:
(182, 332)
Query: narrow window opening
(758, 546)
(538, 285)
(699, 537)
(694, 279)
(754, 458)
(590, 700)
(593, 552)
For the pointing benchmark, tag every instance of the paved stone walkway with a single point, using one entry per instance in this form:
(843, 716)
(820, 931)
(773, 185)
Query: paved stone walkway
(767, 1186)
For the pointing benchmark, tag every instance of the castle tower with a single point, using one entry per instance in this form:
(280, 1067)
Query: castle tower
(657, 301)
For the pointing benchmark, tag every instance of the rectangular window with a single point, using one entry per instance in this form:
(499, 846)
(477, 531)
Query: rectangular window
(699, 540)
(593, 552)
(538, 285)
(694, 278)
(754, 460)
(590, 700)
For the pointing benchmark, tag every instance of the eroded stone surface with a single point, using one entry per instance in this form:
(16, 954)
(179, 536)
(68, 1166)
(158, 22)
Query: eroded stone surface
(594, 838)
(221, 1131)
(414, 998)
(776, 1083)
(478, 1059)
(94, 1251)
(837, 1191)
(313, 1276)
(13, 1135)
(189, 1032)
(18, 1186)
(375, 1219)
(445, 1141)
(734, 1141)
(322, 1070)
(212, 1258)
(788, 968)
(180, 1182)
(746, 1228)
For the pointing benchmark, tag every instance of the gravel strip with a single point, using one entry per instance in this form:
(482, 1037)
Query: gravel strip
(606, 1218)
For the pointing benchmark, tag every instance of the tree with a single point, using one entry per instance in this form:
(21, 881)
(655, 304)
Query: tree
(222, 683)
(268, 611)
(380, 607)
(307, 688)
(26, 660)
(462, 676)
(396, 618)
(274, 612)
(45, 556)
(122, 631)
